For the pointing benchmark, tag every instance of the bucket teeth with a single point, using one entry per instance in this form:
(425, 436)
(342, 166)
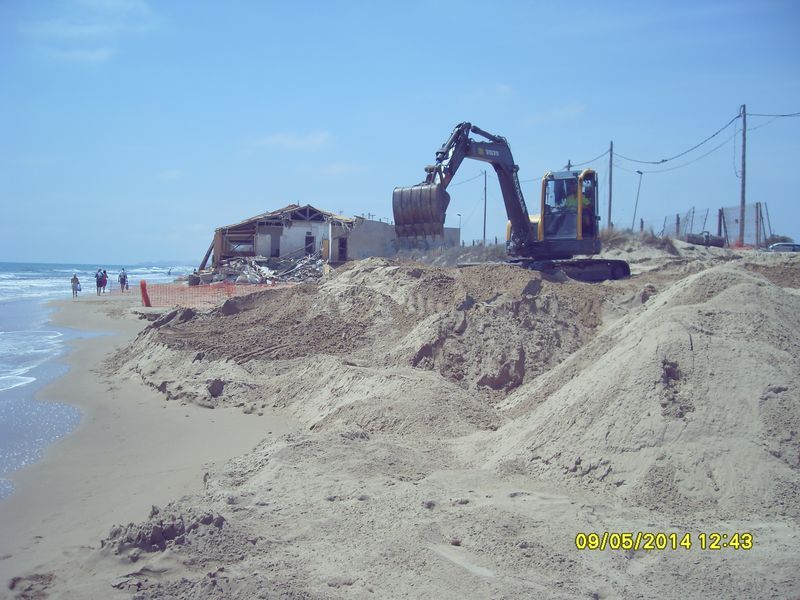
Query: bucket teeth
(420, 210)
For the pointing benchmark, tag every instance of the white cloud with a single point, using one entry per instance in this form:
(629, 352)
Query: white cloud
(136, 7)
(66, 29)
(294, 141)
(98, 23)
(567, 112)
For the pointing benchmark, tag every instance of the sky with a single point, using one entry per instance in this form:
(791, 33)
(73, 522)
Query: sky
(130, 130)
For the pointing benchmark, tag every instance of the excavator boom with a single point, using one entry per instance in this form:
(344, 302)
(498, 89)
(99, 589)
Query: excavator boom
(420, 210)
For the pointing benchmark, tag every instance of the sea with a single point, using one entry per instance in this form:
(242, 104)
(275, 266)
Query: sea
(30, 345)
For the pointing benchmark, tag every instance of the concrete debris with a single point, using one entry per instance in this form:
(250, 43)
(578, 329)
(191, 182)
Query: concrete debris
(262, 270)
(308, 267)
(246, 270)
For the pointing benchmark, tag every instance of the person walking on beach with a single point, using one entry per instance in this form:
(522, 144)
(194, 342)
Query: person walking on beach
(123, 280)
(76, 285)
(104, 280)
(98, 278)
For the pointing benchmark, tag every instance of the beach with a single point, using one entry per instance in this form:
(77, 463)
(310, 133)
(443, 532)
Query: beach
(131, 449)
(407, 430)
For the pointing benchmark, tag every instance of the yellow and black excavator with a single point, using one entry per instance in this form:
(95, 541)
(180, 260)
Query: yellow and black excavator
(566, 226)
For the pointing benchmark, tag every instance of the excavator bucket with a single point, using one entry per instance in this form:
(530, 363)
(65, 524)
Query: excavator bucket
(419, 210)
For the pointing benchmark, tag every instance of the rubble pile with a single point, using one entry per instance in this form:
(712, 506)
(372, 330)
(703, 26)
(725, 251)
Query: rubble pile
(246, 270)
(261, 270)
(304, 269)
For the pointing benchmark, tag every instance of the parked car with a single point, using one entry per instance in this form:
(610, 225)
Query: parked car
(784, 247)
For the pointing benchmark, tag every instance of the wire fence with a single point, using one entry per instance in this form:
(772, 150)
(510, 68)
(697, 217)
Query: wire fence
(199, 296)
(721, 222)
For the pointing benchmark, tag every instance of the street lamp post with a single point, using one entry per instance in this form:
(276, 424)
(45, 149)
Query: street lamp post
(484, 207)
(636, 206)
(459, 228)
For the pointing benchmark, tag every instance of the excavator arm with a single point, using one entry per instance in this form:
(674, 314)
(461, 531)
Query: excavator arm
(420, 210)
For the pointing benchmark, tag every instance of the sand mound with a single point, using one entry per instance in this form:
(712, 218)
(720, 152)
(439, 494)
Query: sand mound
(382, 346)
(190, 546)
(780, 269)
(690, 403)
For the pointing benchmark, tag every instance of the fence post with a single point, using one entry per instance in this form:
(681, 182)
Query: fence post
(145, 296)
(725, 228)
(758, 224)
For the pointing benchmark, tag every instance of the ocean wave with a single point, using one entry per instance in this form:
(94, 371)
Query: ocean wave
(22, 351)
(34, 283)
(8, 382)
(53, 281)
(23, 341)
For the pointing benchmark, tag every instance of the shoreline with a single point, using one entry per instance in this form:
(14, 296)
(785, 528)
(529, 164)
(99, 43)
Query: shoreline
(20, 408)
(131, 449)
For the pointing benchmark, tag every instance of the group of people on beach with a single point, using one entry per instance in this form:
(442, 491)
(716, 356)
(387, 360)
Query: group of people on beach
(101, 281)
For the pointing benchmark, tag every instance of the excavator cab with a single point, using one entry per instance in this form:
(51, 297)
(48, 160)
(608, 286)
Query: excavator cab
(569, 211)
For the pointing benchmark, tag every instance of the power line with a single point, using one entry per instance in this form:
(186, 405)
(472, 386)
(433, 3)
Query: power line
(796, 114)
(772, 120)
(466, 180)
(586, 162)
(663, 160)
(714, 149)
(619, 166)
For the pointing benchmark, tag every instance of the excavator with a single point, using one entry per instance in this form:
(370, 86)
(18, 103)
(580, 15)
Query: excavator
(567, 225)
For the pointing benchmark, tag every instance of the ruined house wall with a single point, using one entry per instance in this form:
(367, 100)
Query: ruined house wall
(370, 238)
(293, 239)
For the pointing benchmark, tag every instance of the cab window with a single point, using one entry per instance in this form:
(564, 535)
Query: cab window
(561, 208)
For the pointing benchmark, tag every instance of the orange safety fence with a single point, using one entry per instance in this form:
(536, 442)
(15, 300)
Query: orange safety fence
(198, 296)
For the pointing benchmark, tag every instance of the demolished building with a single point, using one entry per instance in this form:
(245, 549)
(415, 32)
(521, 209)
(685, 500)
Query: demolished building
(295, 231)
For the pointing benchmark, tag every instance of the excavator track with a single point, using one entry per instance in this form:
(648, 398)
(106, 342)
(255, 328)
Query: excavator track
(582, 269)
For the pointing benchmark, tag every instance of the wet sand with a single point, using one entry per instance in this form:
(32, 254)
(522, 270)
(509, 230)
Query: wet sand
(131, 449)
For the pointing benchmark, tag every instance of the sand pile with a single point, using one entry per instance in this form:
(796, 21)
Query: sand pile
(383, 346)
(689, 403)
(189, 545)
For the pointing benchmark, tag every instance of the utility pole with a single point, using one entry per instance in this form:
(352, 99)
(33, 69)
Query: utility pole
(744, 155)
(610, 176)
(484, 207)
